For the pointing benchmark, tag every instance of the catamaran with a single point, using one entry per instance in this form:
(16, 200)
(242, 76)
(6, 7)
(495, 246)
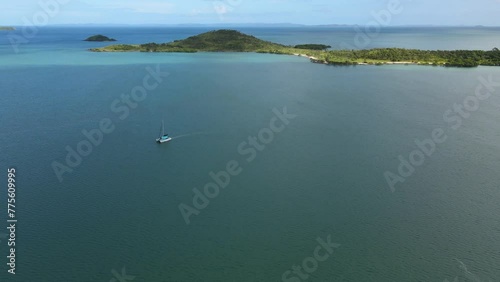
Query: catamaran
(163, 137)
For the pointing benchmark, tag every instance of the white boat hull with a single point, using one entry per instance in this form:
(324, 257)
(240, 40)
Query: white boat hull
(159, 140)
(164, 138)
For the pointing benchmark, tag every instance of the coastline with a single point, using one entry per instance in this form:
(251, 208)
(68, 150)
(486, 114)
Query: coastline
(318, 61)
(306, 56)
(235, 41)
(312, 58)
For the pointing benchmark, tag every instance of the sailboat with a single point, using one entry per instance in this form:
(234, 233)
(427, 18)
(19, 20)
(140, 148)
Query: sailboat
(163, 137)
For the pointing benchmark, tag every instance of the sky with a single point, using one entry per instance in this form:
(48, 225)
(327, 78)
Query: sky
(308, 12)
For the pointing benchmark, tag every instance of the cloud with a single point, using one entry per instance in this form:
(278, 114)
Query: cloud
(221, 9)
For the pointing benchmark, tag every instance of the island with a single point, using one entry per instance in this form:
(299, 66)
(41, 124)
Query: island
(99, 38)
(235, 41)
(7, 28)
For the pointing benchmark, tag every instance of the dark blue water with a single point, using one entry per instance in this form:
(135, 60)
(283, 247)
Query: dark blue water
(323, 175)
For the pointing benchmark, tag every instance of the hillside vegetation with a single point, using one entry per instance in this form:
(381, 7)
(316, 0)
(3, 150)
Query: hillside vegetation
(99, 38)
(313, 46)
(462, 58)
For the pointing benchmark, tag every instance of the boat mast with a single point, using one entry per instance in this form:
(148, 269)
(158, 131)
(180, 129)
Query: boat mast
(162, 129)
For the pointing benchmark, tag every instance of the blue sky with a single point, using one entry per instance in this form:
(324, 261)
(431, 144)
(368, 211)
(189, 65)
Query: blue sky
(414, 12)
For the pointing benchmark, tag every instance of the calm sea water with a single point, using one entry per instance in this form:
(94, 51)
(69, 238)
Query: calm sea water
(322, 176)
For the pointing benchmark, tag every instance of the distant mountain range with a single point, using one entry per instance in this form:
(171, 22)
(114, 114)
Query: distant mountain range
(239, 25)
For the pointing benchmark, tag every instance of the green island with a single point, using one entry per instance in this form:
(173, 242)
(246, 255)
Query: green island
(7, 28)
(235, 41)
(99, 38)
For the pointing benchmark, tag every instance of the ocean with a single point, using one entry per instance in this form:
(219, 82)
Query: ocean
(293, 156)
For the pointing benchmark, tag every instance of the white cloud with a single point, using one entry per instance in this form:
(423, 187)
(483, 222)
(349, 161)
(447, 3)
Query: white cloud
(221, 9)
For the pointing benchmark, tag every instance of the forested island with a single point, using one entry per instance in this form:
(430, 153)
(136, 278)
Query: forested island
(99, 38)
(235, 41)
(7, 28)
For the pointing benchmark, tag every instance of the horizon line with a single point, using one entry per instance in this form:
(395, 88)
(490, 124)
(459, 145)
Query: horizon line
(247, 24)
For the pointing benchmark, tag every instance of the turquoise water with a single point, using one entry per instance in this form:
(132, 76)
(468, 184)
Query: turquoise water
(322, 175)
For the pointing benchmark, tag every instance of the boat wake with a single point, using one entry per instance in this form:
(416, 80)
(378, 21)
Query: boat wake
(188, 135)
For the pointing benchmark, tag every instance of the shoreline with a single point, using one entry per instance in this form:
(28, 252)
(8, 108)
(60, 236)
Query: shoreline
(318, 61)
(305, 56)
(234, 41)
(313, 59)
